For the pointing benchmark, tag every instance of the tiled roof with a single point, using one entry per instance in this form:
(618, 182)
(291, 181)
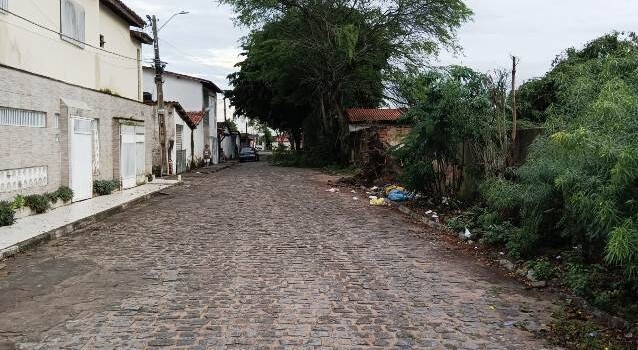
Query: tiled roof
(195, 117)
(361, 115)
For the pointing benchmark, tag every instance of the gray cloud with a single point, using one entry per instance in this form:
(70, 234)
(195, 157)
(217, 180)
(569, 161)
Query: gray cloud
(203, 43)
(206, 41)
(535, 31)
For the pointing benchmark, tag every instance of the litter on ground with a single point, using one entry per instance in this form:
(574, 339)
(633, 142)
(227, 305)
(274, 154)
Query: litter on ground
(378, 201)
(397, 195)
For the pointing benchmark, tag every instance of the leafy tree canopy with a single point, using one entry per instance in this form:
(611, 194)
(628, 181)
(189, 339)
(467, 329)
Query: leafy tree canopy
(314, 59)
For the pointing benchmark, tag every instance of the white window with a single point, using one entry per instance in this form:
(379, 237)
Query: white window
(4, 5)
(72, 22)
(22, 117)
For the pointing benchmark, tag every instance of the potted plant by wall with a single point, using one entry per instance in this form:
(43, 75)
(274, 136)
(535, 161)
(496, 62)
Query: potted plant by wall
(7, 213)
(105, 187)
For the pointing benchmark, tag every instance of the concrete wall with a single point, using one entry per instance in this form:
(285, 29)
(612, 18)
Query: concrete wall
(23, 147)
(30, 48)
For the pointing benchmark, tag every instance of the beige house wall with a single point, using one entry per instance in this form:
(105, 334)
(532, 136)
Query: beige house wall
(28, 47)
(23, 147)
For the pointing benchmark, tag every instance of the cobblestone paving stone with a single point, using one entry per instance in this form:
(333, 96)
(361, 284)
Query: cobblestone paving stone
(259, 257)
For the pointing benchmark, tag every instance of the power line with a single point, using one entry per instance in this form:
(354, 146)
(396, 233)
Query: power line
(66, 36)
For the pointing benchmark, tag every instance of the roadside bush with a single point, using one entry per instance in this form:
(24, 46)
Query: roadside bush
(301, 158)
(452, 110)
(64, 193)
(498, 234)
(38, 203)
(105, 187)
(460, 222)
(579, 185)
(543, 269)
(7, 213)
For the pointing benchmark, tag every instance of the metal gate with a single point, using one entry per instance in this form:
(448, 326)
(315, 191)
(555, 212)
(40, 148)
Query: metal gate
(180, 153)
(132, 158)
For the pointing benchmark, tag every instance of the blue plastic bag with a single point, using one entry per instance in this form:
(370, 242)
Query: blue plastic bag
(398, 196)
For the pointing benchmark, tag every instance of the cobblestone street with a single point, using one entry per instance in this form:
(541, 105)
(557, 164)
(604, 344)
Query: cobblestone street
(260, 257)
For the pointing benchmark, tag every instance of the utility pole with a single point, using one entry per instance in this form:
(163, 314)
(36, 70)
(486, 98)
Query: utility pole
(159, 69)
(514, 146)
(514, 63)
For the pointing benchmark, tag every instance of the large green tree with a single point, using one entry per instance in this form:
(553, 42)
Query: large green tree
(327, 56)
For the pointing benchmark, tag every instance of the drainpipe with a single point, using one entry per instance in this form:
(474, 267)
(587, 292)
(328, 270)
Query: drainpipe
(192, 148)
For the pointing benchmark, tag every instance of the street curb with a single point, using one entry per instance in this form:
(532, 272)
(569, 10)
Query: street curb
(73, 226)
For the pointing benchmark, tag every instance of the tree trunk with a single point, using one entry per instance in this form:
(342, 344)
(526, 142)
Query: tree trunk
(343, 137)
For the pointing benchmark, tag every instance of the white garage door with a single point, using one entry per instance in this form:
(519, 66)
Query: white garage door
(82, 159)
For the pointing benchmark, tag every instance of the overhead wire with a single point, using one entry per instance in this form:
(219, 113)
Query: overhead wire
(61, 34)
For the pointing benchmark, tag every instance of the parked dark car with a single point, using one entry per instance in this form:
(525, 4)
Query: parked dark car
(248, 154)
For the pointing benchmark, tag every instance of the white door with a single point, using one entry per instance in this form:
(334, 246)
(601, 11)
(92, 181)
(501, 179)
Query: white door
(82, 159)
(127, 156)
(140, 155)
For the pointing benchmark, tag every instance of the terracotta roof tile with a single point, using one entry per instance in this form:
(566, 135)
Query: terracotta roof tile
(195, 117)
(361, 115)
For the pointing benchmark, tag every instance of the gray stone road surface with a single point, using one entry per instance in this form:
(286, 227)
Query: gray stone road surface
(259, 257)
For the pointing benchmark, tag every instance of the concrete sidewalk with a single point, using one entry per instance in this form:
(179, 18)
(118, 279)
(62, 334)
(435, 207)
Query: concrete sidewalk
(57, 222)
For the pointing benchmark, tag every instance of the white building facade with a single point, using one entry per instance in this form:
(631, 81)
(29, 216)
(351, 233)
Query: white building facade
(199, 98)
(70, 109)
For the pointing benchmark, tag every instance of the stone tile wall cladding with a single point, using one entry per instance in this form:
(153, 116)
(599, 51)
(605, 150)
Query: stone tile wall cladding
(22, 147)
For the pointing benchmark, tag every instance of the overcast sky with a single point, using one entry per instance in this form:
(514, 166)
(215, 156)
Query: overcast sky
(205, 42)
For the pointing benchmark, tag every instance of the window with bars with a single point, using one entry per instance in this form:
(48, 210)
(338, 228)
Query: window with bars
(72, 22)
(22, 117)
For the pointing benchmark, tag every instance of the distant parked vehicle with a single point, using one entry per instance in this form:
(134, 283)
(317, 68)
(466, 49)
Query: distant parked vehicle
(259, 148)
(248, 154)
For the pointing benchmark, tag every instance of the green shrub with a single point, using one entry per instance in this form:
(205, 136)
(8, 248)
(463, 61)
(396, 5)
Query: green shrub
(501, 194)
(498, 234)
(452, 107)
(521, 244)
(579, 184)
(64, 193)
(543, 269)
(577, 278)
(104, 187)
(460, 222)
(38, 203)
(18, 202)
(489, 219)
(7, 213)
(304, 159)
(51, 196)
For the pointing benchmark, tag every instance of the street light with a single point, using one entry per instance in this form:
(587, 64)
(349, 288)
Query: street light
(179, 13)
